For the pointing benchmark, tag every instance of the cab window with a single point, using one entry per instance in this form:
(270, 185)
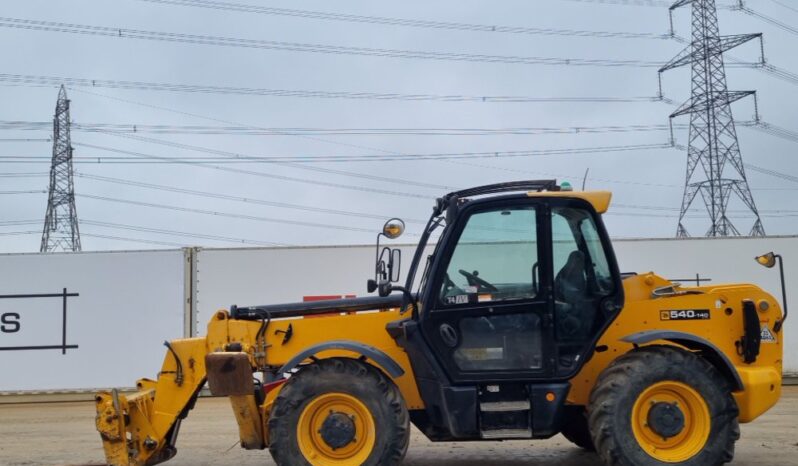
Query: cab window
(495, 258)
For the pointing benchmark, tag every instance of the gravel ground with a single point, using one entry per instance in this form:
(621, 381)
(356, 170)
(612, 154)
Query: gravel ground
(63, 434)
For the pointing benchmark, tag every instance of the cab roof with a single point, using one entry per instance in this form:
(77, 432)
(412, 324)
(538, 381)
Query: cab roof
(600, 200)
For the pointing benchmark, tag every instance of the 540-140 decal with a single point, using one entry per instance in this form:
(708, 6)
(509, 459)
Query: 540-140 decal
(685, 314)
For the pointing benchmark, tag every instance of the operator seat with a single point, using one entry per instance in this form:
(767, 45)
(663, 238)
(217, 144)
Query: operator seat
(574, 311)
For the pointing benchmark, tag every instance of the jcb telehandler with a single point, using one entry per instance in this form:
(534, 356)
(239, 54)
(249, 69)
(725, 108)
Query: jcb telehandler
(520, 326)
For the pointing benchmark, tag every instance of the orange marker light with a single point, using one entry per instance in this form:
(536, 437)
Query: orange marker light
(550, 397)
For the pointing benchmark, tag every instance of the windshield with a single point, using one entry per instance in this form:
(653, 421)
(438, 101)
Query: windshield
(495, 259)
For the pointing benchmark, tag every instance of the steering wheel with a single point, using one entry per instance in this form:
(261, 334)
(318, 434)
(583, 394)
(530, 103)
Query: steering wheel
(449, 287)
(474, 280)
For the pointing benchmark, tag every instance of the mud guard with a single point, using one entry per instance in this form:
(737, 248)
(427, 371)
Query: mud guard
(383, 360)
(695, 343)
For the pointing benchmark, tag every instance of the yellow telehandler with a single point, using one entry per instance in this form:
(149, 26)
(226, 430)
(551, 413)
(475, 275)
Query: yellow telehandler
(518, 325)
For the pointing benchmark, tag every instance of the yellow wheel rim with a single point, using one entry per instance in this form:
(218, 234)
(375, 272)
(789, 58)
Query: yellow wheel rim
(690, 440)
(316, 448)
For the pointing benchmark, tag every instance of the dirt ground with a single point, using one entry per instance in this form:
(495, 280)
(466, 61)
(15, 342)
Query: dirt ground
(63, 434)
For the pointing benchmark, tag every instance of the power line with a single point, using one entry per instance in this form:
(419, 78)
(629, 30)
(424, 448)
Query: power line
(197, 116)
(230, 197)
(219, 120)
(248, 130)
(24, 140)
(772, 21)
(37, 191)
(383, 158)
(6, 223)
(289, 165)
(140, 158)
(227, 239)
(204, 117)
(780, 73)
(274, 175)
(20, 233)
(133, 240)
(773, 173)
(404, 22)
(355, 95)
(774, 130)
(226, 214)
(23, 174)
(778, 2)
(195, 39)
(126, 130)
(228, 157)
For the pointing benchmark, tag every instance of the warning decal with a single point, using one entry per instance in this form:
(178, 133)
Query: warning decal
(767, 335)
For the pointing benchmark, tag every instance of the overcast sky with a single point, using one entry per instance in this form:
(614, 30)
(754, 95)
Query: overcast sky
(647, 183)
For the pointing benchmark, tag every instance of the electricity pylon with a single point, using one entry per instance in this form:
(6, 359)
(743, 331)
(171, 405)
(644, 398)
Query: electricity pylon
(61, 221)
(713, 143)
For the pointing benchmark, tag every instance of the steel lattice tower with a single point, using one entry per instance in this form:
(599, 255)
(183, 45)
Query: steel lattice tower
(61, 221)
(713, 143)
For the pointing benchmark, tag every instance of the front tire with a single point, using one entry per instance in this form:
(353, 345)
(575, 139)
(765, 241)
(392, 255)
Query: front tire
(339, 412)
(661, 405)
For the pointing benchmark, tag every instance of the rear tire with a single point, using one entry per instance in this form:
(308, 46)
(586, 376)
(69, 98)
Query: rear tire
(577, 432)
(661, 405)
(339, 412)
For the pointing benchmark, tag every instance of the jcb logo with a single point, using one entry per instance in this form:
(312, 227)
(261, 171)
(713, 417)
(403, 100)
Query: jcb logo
(685, 314)
(10, 322)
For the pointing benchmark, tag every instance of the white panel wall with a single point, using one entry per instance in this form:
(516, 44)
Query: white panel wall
(129, 303)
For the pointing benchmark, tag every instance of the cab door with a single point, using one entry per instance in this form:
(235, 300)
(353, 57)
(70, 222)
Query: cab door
(489, 309)
(586, 287)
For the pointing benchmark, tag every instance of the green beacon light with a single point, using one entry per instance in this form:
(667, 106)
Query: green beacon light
(566, 186)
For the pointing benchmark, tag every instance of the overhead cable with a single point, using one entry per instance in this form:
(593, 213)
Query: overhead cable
(83, 233)
(276, 176)
(404, 22)
(200, 39)
(780, 3)
(56, 81)
(236, 198)
(282, 221)
(177, 233)
(772, 21)
(383, 158)
(20, 233)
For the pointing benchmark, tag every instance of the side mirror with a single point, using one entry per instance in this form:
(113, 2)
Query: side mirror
(395, 265)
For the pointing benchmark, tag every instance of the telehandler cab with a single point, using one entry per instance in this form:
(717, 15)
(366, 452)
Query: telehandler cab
(520, 327)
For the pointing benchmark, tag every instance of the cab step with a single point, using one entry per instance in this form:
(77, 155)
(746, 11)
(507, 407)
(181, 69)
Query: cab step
(507, 434)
